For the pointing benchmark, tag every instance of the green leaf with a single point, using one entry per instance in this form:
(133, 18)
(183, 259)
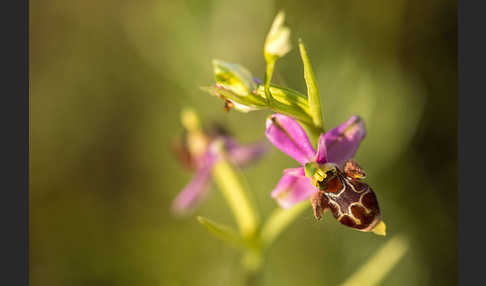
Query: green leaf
(380, 264)
(233, 187)
(312, 91)
(222, 232)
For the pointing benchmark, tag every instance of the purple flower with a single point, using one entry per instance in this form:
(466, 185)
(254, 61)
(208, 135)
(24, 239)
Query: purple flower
(328, 177)
(335, 146)
(199, 152)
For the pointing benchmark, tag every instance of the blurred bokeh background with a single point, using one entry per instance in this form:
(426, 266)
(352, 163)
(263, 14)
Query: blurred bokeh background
(108, 82)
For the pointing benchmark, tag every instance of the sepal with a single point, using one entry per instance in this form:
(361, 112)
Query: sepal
(234, 77)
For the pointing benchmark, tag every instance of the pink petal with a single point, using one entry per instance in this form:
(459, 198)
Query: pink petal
(293, 187)
(243, 155)
(321, 157)
(287, 135)
(194, 192)
(343, 141)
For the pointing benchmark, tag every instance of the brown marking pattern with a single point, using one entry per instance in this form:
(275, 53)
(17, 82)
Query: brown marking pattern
(369, 200)
(334, 185)
(347, 220)
(358, 186)
(352, 203)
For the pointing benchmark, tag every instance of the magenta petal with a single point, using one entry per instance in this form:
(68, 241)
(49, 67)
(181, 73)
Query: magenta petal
(299, 172)
(287, 135)
(343, 141)
(196, 190)
(293, 187)
(242, 155)
(321, 157)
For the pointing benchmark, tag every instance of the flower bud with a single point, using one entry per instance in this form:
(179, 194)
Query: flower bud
(277, 43)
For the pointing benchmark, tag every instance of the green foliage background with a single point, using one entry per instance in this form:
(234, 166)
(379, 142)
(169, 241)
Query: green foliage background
(109, 78)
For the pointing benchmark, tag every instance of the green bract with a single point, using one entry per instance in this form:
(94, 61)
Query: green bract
(312, 91)
(233, 77)
(285, 101)
(238, 88)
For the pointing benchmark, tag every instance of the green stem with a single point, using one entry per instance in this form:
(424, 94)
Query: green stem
(253, 278)
(231, 185)
(278, 221)
(268, 78)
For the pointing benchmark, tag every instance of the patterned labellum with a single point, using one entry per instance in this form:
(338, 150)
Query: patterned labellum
(352, 202)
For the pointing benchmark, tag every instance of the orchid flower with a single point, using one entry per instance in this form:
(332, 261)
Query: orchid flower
(321, 171)
(199, 151)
